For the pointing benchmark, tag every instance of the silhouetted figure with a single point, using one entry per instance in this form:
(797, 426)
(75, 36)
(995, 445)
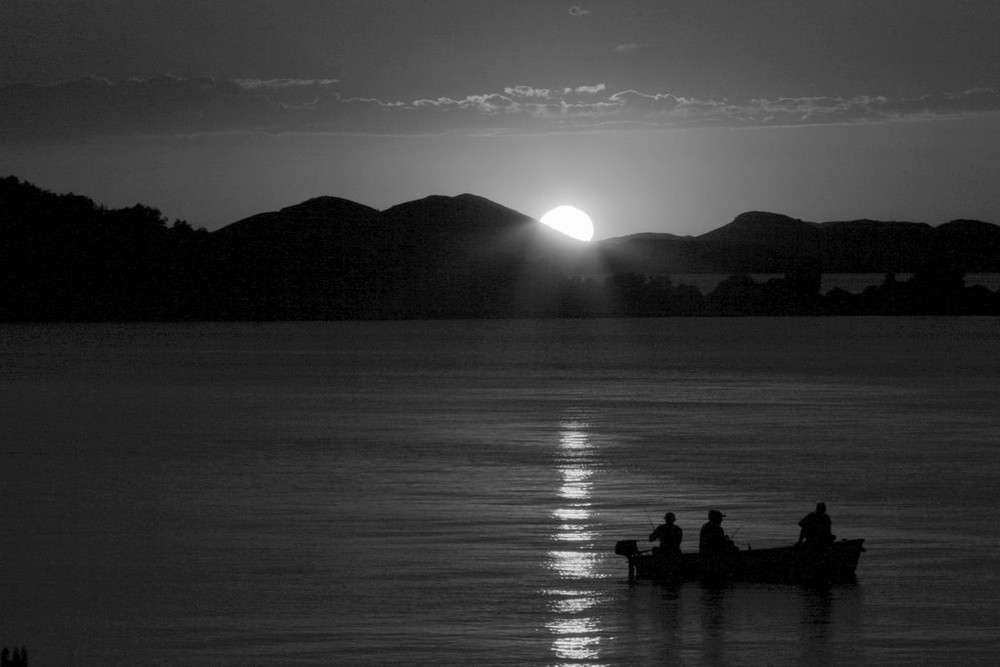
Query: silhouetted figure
(816, 528)
(670, 536)
(19, 659)
(712, 542)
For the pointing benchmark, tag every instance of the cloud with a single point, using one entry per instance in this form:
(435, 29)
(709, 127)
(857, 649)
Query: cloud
(585, 90)
(167, 105)
(627, 48)
(977, 100)
(277, 84)
(634, 102)
(578, 11)
(527, 92)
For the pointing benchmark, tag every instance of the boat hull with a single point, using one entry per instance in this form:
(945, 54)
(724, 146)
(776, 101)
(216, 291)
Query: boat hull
(794, 564)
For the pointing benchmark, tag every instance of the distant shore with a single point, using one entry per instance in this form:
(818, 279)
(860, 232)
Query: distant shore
(855, 283)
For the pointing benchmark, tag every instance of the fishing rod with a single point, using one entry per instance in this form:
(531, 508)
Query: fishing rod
(650, 520)
(732, 537)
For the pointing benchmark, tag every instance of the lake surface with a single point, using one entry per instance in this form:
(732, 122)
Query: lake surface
(451, 492)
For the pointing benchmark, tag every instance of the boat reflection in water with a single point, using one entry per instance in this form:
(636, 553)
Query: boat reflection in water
(576, 631)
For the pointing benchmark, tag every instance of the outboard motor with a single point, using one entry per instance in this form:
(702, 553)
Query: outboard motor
(626, 547)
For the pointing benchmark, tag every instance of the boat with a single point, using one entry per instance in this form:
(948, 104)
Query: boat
(833, 562)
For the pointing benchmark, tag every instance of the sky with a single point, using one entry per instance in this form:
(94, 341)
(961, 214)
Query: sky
(666, 116)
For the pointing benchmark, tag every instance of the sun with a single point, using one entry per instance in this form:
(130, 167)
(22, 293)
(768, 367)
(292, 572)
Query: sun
(570, 221)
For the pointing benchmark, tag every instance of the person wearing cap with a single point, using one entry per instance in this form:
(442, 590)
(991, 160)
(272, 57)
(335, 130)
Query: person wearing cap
(712, 542)
(816, 528)
(670, 536)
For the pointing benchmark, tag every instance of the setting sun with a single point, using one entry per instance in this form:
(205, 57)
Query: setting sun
(570, 221)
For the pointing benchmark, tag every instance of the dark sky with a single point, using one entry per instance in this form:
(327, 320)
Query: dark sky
(670, 116)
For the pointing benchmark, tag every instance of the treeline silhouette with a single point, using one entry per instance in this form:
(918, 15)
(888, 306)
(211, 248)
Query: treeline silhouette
(934, 290)
(65, 258)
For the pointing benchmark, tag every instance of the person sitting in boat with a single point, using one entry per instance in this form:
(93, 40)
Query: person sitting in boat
(816, 528)
(670, 536)
(713, 542)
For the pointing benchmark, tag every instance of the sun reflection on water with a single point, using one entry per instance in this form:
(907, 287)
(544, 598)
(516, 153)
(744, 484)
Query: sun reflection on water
(573, 437)
(572, 513)
(571, 533)
(573, 474)
(575, 637)
(574, 564)
(571, 602)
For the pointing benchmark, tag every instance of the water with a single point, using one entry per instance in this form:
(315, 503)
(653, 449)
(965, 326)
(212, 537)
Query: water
(450, 492)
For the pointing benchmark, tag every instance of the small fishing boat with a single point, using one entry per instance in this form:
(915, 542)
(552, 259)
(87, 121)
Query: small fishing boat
(836, 561)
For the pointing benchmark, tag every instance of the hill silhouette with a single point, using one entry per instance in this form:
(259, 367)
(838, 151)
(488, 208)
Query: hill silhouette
(760, 242)
(66, 258)
(437, 256)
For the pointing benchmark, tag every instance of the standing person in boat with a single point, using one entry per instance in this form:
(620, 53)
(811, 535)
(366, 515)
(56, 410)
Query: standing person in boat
(670, 536)
(816, 528)
(712, 542)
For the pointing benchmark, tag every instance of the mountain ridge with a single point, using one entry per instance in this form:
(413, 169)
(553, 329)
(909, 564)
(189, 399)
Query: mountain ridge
(754, 241)
(66, 258)
(467, 229)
